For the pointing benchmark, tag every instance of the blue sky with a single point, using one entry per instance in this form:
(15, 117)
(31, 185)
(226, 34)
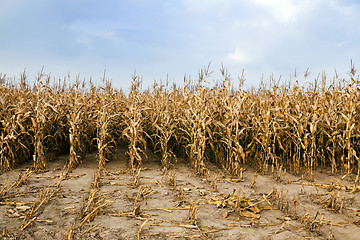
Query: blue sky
(167, 37)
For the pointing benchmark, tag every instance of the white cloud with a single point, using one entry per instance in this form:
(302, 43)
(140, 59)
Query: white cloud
(238, 56)
(345, 10)
(200, 6)
(214, 8)
(286, 10)
(259, 35)
(86, 31)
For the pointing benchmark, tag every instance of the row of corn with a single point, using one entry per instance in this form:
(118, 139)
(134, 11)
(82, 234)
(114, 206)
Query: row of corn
(300, 128)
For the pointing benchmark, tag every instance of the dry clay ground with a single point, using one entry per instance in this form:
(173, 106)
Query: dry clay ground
(179, 205)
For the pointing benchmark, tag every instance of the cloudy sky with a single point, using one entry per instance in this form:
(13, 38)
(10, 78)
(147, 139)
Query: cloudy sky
(173, 37)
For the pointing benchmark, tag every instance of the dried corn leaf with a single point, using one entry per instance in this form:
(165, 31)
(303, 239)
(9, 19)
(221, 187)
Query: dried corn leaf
(250, 215)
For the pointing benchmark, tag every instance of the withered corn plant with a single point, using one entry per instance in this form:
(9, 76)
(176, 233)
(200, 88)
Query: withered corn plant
(43, 114)
(226, 138)
(78, 119)
(161, 122)
(133, 131)
(195, 120)
(15, 141)
(106, 117)
(287, 127)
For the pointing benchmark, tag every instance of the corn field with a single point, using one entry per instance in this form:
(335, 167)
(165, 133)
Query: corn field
(276, 126)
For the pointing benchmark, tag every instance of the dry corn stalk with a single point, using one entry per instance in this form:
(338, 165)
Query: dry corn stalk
(192, 213)
(293, 127)
(133, 130)
(34, 211)
(78, 119)
(92, 206)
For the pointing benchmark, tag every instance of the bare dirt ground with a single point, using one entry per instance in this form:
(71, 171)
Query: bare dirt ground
(180, 205)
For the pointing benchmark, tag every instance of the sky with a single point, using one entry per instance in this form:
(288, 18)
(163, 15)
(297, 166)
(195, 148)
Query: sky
(162, 39)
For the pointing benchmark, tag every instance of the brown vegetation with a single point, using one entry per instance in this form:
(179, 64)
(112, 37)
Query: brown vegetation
(278, 130)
